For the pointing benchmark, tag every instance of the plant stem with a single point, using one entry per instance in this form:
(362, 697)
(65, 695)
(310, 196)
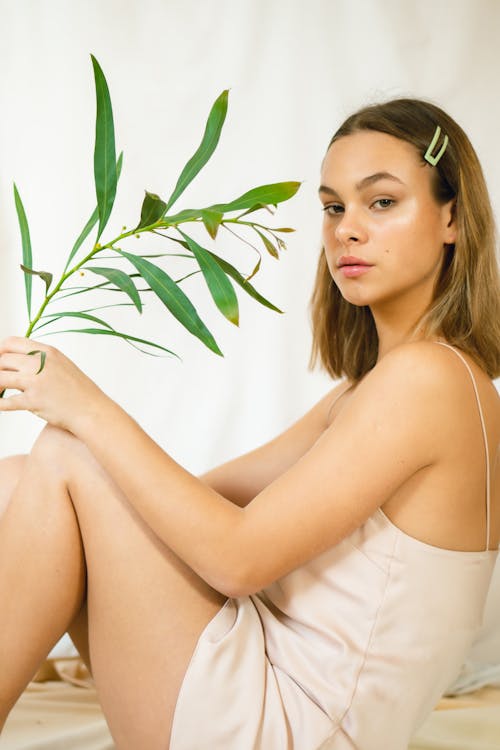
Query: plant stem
(95, 250)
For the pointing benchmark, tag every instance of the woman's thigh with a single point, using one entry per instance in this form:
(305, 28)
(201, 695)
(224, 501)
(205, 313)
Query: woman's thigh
(146, 608)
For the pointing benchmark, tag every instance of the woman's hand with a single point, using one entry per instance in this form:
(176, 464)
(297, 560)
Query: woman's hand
(60, 393)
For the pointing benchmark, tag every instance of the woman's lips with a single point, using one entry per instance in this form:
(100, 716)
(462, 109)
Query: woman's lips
(351, 266)
(351, 271)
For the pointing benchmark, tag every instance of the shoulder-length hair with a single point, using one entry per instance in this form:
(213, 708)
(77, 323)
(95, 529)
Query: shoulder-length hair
(465, 309)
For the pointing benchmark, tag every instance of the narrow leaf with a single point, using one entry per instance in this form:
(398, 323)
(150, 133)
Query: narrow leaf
(92, 221)
(211, 220)
(127, 337)
(189, 214)
(26, 246)
(249, 289)
(121, 280)
(257, 207)
(206, 148)
(174, 299)
(84, 316)
(255, 270)
(105, 174)
(45, 275)
(43, 357)
(83, 235)
(53, 316)
(187, 276)
(268, 244)
(218, 284)
(264, 195)
(152, 210)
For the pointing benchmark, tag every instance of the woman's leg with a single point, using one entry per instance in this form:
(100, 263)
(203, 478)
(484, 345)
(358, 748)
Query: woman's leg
(11, 469)
(42, 574)
(146, 609)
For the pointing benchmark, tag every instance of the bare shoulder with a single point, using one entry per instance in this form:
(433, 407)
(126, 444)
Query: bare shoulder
(428, 385)
(432, 369)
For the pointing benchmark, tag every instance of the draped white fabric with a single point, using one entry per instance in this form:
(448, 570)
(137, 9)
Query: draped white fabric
(295, 69)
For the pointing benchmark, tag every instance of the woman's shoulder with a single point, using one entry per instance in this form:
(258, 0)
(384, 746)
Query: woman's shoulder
(441, 381)
(433, 363)
(430, 375)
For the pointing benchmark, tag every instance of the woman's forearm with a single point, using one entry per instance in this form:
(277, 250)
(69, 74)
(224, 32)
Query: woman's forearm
(193, 520)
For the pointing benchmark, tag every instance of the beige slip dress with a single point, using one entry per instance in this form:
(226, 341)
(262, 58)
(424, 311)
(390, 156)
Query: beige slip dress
(350, 651)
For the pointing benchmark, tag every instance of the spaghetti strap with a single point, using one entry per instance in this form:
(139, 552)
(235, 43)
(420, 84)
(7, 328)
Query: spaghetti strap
(485, 438)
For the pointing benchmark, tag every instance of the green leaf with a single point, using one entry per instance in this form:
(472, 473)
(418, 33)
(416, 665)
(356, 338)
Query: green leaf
(255, 270)
(43, 357)
(268, 244)
(152, 210)
(105, 174)
(85, 316)
(187, 276)
(206, 148)
(118, 334)
(257, 207)
(54, 316)
(26, 245)
(45, 275)
(92, 221)
(218, 284)
(83, 289)
(249, 289)
(264, 195)
(174, 299)
(211, 220)
(189, 214)
(119, 279)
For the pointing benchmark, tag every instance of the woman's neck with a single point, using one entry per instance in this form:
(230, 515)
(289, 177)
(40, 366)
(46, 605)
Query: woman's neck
(395, 327)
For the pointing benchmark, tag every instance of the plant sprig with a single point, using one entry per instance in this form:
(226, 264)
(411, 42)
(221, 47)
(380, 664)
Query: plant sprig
(157, 219)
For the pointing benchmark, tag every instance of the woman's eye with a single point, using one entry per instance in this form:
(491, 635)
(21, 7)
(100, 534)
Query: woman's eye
(384, 202)
(333, 209)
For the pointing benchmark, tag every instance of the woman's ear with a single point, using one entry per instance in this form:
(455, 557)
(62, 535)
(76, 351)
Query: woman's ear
(449, 222)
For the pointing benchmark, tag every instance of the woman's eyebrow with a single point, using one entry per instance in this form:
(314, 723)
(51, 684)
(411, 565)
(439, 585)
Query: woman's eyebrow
(369, 180)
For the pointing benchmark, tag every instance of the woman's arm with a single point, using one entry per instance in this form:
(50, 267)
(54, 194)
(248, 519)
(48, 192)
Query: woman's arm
(241, 479)
(396, 423)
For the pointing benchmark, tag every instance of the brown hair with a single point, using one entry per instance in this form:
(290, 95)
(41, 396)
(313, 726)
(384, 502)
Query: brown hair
(465, 310)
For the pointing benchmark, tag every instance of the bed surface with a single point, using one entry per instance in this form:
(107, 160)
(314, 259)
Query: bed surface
(60, 711)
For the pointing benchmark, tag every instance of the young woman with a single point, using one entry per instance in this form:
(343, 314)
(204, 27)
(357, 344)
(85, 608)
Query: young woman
(322, 590)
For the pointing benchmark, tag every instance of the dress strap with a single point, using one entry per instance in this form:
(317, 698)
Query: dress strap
(485, 438)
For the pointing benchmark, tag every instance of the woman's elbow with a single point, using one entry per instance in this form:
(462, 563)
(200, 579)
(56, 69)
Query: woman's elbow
(239, 581)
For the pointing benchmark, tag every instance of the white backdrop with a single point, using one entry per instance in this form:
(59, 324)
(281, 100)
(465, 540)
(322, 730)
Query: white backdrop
(295, 70)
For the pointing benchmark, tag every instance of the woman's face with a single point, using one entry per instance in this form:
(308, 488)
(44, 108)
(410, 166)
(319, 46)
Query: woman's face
(379, 209)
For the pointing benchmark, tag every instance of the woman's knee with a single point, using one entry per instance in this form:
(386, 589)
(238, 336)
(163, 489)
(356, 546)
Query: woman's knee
(54, 448)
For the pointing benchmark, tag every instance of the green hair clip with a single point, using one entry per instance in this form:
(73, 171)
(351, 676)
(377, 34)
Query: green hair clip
(435, 138)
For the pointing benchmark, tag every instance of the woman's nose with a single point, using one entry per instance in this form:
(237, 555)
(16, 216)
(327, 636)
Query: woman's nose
(350, 228)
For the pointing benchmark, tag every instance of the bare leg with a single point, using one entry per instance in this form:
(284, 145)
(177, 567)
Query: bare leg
(42, 577)
(146, 609)
(11, 469)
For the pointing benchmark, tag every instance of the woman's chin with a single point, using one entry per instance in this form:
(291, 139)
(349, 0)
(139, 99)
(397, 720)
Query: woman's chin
(359, 300)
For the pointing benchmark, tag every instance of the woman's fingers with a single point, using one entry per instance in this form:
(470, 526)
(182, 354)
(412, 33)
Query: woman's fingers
(12, 403)
(19, 362)
(11, 379)
(19, 345)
